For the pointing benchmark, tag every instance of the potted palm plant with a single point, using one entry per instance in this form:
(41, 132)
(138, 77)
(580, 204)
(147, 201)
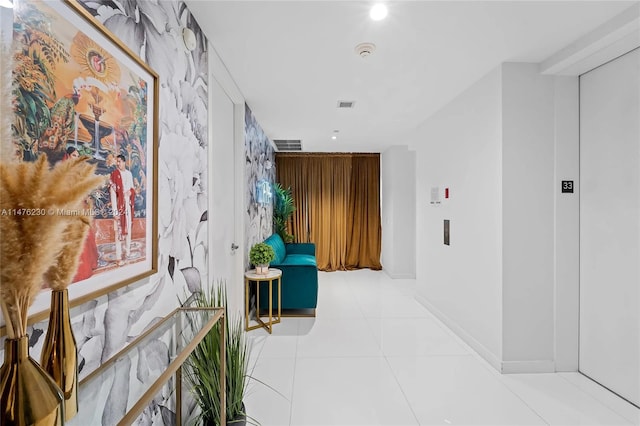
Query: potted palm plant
(203, 365)
(260, 255)
(283, 208)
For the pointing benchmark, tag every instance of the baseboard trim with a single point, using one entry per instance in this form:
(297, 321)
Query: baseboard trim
(541, 366)
(485, 353)
(505, 367)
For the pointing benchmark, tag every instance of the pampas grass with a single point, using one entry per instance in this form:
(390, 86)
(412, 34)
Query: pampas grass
(38, 240)
(61, 272)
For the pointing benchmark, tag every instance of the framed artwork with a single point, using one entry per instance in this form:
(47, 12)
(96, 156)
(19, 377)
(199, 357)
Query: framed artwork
(80, 92)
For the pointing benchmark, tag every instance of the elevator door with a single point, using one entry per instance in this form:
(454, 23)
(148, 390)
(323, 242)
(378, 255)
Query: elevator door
(610, 225)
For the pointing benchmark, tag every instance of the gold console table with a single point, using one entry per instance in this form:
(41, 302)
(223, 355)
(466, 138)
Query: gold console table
(180, 331)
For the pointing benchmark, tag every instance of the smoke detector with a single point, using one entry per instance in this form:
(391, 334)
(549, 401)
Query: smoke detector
(365, 49)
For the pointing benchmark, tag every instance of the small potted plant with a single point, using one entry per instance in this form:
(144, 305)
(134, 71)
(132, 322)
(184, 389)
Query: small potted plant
(260, 255)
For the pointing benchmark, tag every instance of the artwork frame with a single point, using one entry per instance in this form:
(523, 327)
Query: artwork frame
(107, 103)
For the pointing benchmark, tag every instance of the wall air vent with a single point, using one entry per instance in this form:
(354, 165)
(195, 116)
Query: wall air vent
(346, 104)
(288, 144)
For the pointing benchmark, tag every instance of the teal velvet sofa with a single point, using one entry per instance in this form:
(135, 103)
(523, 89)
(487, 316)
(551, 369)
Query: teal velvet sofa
(297, 262)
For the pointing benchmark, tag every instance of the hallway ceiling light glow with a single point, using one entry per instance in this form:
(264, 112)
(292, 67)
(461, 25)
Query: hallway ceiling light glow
(378, 12)
(6, 3)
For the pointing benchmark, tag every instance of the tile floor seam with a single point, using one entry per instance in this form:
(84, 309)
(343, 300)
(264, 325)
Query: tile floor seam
(341, 356)
(463, 343)
(523, 401)
(430, 356)
(360, 284)
(258, 356)
(358, 304)
(595, 398)
(293, 379)
(472, 352)
(293, 393)
(402, 390)
(485, 365)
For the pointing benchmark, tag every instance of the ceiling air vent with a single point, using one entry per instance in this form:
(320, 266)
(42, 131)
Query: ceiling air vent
(288, 144)
(346, 104)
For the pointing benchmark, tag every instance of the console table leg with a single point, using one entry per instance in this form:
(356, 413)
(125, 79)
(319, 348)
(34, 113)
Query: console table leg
(223, 372)
(179, 396)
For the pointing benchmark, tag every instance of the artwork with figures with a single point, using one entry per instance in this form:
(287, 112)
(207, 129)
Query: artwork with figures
(105, 324)
(78, 95)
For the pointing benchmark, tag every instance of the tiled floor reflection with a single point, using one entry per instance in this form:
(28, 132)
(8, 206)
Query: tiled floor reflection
(375, 356)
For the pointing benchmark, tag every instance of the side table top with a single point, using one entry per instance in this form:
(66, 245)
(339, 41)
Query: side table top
(273, 273)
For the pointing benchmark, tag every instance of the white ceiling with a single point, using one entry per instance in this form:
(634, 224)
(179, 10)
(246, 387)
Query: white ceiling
(293, 60)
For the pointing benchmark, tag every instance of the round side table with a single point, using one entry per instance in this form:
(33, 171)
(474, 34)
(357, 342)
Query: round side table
(252, 277)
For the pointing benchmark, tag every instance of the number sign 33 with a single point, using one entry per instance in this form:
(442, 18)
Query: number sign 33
(567, 186)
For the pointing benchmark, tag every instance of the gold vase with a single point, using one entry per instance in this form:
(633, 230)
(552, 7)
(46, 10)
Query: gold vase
(59, 354)
(28, 396)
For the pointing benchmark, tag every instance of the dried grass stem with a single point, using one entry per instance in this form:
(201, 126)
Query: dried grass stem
(34, 248)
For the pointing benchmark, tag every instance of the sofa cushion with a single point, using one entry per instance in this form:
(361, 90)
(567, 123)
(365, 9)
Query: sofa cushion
(299, 260)
(278, 247)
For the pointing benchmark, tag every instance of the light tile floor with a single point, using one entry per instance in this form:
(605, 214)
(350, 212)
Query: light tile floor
(375, 356)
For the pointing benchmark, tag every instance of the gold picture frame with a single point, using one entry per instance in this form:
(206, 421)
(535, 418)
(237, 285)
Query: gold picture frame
(85, 93)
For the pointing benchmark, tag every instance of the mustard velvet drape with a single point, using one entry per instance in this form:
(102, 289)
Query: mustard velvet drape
(337, 200)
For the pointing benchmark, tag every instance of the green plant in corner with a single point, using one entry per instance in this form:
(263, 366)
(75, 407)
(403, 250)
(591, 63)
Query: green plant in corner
(203, 365)
(283, 208)
(261, 254)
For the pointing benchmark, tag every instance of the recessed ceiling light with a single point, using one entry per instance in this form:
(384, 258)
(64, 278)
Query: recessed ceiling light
(334, 137)
(378, 12)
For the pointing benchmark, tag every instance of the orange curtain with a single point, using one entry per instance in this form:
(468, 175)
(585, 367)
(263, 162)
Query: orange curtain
(363, 228)
(337, 200)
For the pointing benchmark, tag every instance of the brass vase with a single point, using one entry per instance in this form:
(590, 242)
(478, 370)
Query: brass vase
(28, 396)
(60, 354)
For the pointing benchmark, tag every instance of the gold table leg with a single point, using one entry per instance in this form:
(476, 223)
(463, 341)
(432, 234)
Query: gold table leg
(270, 306)
(264, 324)
(179, 396)
(246, 304)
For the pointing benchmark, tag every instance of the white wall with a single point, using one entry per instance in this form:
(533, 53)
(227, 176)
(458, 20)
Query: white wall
(460, 148)
(387, 164)
(566, 227)
(502, 147)
(538, 226)
(527, 218)
(398, 212)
